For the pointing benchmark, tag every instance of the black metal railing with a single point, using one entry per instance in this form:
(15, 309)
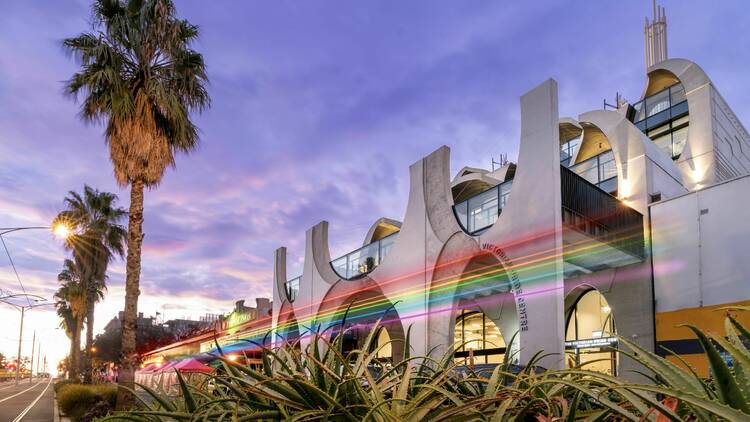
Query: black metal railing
(589, 209)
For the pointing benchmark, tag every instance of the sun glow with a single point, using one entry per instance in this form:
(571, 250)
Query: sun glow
(62, 230)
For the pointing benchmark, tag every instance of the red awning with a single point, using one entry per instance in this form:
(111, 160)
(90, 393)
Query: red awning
(191, 365)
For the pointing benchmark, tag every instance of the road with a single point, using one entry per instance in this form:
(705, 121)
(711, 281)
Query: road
(27, 402)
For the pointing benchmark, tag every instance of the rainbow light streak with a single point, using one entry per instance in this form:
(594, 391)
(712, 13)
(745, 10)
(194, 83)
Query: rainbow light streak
(444, 288)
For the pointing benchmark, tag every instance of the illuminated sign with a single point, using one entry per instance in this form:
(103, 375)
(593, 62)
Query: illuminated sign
(591, 342)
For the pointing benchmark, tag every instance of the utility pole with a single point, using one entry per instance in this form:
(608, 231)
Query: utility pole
(31, 364)
(38, 352)
(18, 359)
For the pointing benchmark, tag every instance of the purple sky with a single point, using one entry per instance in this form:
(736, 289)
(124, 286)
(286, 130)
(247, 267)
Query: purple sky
(318, 110)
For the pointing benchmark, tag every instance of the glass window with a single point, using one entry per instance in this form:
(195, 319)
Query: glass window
(590, 319)
(657, 103)
(363, 260)
(680, 109)
(568, 150)
(477, 338)
(483, 210)
(681, 121)
(677, 93)
(386, 244)
(658, 119)
(339, 265)
(658, 131)
(664, 142)
(640, 111)
(462, 213)
(607, 166)
(588, 170)
(505, 193)
(679, 139)
(292, 289)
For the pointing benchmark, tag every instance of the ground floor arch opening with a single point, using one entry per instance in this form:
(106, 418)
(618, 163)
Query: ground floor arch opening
(485, 313)
(363, 311)
(590, 337)
(477, 340)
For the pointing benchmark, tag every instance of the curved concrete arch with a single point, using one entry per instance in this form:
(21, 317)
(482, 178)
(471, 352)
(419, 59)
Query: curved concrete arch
(637, 159)
(687, 72)
(279, 274)
(450, 265)
(361, 292)
(466, 185)
(278, 292)
(382, 223)
(697, 160)
(527, 236)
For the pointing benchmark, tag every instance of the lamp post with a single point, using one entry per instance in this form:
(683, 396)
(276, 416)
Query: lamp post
(59, 229)
(23, 309)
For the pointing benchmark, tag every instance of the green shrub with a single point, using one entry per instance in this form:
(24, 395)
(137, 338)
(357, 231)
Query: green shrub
(75, 400)
(326, 383)
(62, 383)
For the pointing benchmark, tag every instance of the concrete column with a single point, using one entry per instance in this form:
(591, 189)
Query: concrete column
(527, 237)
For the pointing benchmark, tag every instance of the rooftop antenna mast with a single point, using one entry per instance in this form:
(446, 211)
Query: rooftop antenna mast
(656, 37)
(617, 102)
(502, 161)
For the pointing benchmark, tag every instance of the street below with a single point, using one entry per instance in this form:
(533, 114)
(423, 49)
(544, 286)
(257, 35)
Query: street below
(28, 402)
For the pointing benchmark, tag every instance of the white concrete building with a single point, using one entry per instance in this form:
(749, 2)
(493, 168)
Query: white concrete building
(618, 222)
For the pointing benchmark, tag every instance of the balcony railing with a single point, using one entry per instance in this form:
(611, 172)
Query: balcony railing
(599, 170)
(357, 263)
(586, 208)
(481, 211)
(292, 289)
(660, 108)
(593, 211)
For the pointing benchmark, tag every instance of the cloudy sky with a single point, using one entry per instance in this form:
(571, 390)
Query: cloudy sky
(318, 109)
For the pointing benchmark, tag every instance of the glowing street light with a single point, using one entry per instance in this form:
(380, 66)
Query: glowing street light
(59, 229)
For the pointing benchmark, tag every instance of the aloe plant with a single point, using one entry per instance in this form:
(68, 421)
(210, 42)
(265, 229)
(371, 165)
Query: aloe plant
(323, 383)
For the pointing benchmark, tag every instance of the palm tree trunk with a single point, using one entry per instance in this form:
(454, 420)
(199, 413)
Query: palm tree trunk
(90, 297)
(128, 356)
(75, 351)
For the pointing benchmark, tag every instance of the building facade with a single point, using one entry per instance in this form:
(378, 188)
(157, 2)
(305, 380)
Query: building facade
(617, 224)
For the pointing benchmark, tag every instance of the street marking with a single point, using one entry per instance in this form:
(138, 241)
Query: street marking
(12, 384)
(31, 406)
(8, 386)
(18, 394)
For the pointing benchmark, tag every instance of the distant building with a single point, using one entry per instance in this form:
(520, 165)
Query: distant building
(237, 330)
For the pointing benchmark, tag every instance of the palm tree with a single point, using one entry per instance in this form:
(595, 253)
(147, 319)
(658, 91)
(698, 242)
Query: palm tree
(97, 240)
(140, 75)
(70, 300)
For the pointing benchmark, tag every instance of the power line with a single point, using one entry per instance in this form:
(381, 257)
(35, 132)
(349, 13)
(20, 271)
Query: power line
(7, 252)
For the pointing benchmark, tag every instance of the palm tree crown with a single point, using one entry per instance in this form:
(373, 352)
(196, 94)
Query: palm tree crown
(99, 236)
(139, 73)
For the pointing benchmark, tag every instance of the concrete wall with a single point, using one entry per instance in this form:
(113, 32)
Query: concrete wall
(701, 245)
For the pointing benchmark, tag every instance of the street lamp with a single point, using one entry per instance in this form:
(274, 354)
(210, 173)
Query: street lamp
(60, 229)
(23, 309)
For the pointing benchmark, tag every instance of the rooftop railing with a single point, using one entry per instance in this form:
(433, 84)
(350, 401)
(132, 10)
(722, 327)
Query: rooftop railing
(292, 289)
(481, 211)
(359, 262)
